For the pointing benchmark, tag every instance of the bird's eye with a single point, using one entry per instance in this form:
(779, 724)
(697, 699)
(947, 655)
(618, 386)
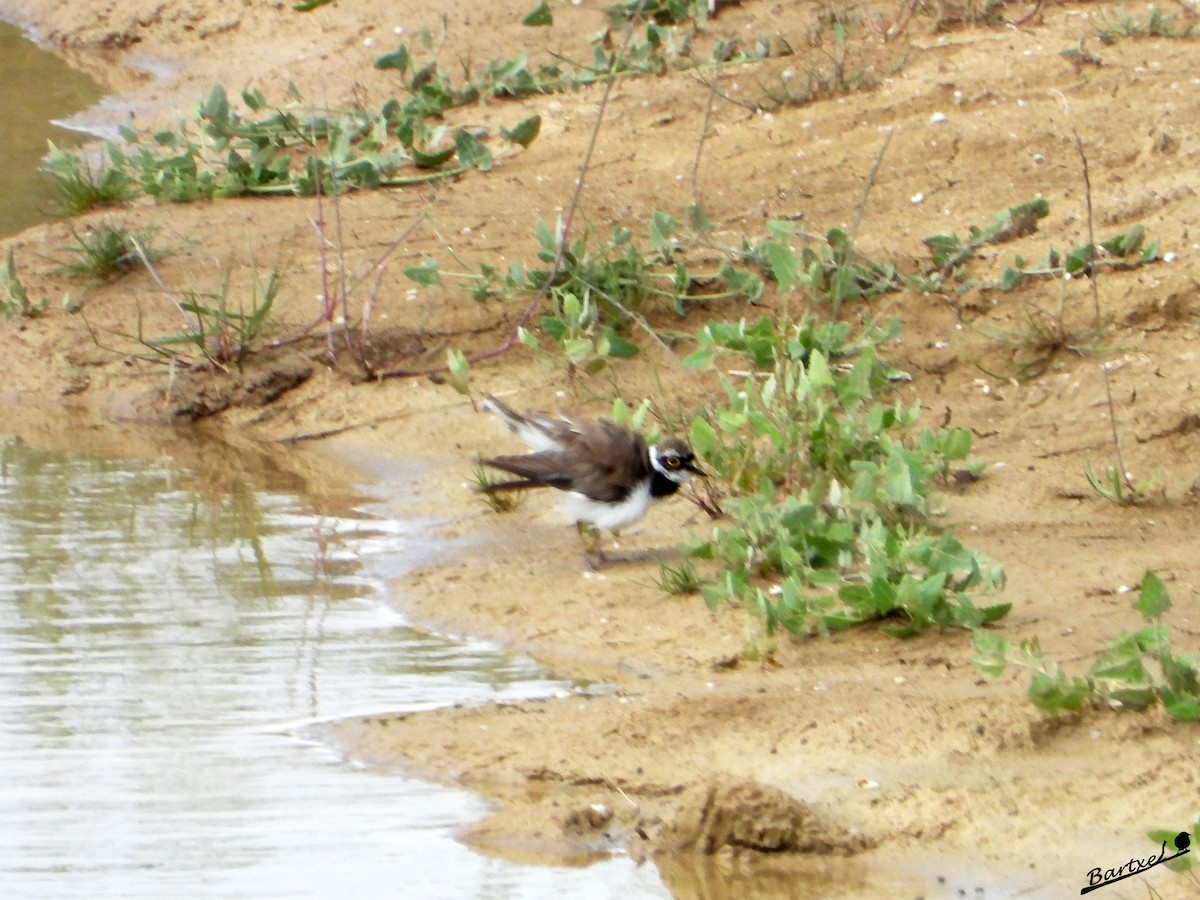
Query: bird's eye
(672, 462)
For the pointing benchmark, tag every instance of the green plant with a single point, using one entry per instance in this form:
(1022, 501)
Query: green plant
(82, 186)
(458, 372)
(1119, 677)
(1041, 335)
(950, 252)
(15, 302)
(810, 413)
(658, 39)
(664, 12)
(483, 478)
(833, 272)
(1156, 24)
(539, 17)
(1080, 56)
(812, 566)
(833, 483)
(833, 488)
(1124, 251)
(1043, 332)
(598, 294)
(106, 251)
(679, 579)
(833, 76)
(432, 92)
(1119, 487)
(222, 329)
(220, 152)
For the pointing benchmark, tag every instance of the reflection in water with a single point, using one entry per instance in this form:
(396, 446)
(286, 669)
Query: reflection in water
(35, 88)
(160, 641)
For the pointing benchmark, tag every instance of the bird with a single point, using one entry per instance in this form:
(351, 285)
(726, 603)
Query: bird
(609, 473)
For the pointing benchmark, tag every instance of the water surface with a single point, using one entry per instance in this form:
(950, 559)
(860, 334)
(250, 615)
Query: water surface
(36, 88)
(166, 633)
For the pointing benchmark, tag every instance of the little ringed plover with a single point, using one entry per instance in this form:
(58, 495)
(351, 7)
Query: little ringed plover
(609, 473)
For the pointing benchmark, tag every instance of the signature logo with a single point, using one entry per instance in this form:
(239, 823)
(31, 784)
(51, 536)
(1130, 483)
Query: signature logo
(1098, 878)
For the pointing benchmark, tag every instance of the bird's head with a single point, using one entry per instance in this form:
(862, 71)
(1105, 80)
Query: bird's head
(675, 460)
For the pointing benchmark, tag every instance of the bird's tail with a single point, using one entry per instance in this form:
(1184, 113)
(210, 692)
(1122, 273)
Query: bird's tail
(510, 418)
(532, 429)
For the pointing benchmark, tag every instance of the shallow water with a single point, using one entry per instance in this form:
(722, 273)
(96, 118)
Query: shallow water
(36, 89)
(165, 637)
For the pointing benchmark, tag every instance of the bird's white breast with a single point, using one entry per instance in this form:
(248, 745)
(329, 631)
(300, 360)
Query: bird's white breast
(612, 516)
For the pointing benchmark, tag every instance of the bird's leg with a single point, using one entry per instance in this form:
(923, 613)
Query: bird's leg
(592, 550)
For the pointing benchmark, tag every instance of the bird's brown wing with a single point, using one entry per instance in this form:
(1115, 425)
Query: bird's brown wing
(604, 461)
(598, 459)
(544, 469)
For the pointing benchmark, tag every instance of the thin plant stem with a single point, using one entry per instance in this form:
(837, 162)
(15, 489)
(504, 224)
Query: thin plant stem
(871, 178)
(1093, 273)
(708, 110)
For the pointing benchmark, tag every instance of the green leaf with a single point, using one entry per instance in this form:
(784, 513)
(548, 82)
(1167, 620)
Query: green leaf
(638, 419)
(539, 17)
(471, 151)
(1121, 661)
(697, 221)
(577, 349)
(424, 160)
(662, 226)
(1126, 244)
(216, 106)
(308, 5)
(900, 488)
(819, 373)
(1134, 698)
(1010, 278)
(957, 444)
(1180, 672)
(699, 360)
(554, 327)
(1079, 260)
(456, 361)
(618, 346)
(1054, 693)
(399, 59)
(781, 230)
(527, 338)
(783, 265)
(524, 132)
(995, 612)
(572, 306)
(426, 274)
(1181, 706)
(460, 371)
(1153, 600)
(705, 442)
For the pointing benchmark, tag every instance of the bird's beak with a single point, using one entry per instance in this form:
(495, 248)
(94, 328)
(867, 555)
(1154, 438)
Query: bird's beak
(695, 469)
